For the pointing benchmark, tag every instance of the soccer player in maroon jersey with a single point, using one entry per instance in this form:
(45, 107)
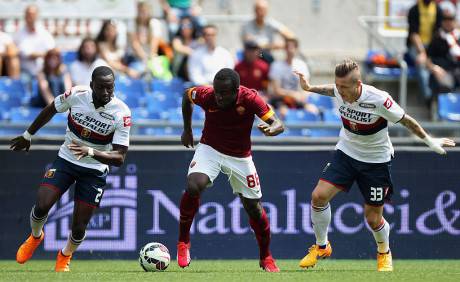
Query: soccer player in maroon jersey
(226, 146)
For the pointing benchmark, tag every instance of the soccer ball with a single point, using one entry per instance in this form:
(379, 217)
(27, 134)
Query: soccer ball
(154, 257)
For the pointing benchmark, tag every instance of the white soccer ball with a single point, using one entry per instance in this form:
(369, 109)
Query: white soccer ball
(154, 257)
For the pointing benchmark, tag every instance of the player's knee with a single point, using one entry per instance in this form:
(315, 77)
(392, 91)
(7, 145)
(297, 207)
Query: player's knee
(373, 220)
(319, 199)
(195, 185)
(254, 212)
(78, 231)
(41, 210)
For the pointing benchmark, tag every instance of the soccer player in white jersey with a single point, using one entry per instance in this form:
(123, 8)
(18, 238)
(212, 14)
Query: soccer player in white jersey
(363, 154)
(97, 136)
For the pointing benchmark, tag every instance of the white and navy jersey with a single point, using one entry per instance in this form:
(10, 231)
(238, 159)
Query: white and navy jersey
(364, 135)
(96, 128)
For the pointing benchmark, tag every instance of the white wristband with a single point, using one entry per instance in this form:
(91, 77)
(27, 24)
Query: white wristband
(90, 152)
(26, 135)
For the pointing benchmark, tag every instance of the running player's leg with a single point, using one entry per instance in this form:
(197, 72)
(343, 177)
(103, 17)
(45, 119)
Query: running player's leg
(337, 176)
(203, 169)
(375, 185)
(245, 182)
(54, 183)
(82, 213)
(89, 189)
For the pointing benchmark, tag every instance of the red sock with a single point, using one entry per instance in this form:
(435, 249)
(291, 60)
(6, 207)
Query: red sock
(188, 207)
(261, 228)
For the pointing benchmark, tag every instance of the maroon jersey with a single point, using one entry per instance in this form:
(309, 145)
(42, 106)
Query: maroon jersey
(229, 131)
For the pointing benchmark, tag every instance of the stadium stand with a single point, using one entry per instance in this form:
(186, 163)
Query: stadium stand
(449, 106)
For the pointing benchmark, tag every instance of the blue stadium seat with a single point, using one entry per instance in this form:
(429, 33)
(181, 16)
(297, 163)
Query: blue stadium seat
(142, 114)
(176, 85)
(13, 93)
(23, 115)
(293, 117)
(332, 116)
(198, 113)
(158, 102)
(322, 102)
(300, 116)
(386, 72)
(449, 106)
(130, 91)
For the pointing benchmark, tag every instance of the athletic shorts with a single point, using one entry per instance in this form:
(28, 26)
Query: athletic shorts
(241, 172)
(89, 183)
(373, 179)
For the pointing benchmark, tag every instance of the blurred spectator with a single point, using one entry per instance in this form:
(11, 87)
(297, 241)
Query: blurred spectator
(207, 60)
(9, 60)
(185, 41)
(424, 19)
(53, 80)
(253, 71)
(285, 84)
(444, 55)
(33, 41)
(175, 10)
(146, 38)
(87, 60)
(264, 31)
(109, 50)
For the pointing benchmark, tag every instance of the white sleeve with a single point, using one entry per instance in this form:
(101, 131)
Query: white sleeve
(122, 128)
(64, 101)
(390, 110)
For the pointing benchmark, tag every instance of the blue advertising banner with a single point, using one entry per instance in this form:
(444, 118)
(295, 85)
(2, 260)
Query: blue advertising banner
(141, 205)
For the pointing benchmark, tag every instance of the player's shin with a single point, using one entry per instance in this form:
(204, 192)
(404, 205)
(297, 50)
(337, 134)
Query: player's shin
(72, 245)
(261, 229)
(188, 207)
(321, 218)
(382, 236)
(37, 221)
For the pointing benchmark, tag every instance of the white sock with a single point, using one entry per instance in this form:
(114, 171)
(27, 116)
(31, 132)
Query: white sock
(72, 245)
(382, 236)
(36, 223)
(321, 218)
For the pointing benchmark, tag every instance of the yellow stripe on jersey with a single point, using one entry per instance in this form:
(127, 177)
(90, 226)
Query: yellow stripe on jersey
(268, 115)
(189, 94)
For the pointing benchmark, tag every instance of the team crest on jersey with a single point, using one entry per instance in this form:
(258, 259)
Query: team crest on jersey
(353, 125)
(192, 164)
(126, 121)
(240, 110)
(85, 132)
(50, 173)
(367, 105)
(107, 116)
(388, 103)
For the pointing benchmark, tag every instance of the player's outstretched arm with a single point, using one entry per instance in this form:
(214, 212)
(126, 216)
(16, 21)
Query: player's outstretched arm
(435, 144)
(23, 142)
(187, 110)
(116, 157)
(326, 89)
(272, 127)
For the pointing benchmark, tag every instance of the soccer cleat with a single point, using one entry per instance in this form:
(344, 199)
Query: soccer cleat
(27, 249)
(183, 254)
(268, 264)
(62, 262)
(315, 252)
(384, 262)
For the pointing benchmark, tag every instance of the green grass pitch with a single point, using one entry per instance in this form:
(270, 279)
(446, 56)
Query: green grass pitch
(233, 270)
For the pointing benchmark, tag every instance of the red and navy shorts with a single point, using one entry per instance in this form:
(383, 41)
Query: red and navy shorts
(89, 183)
(373, 179)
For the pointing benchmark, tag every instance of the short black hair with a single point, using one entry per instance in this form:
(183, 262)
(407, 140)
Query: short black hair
(102, 71)
(227, 74)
